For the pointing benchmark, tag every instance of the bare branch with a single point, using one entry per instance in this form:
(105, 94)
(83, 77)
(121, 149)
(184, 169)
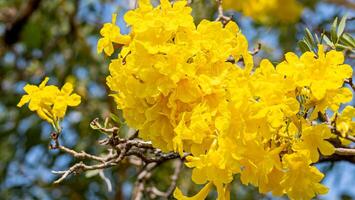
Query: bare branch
(14, 29)
(350, 82)
(120, 148)
(346, 3)
(221, 17)
(79, 167)
(256, 50)
(80, 155)
(345, 151)
(143, 176)
(107, 180)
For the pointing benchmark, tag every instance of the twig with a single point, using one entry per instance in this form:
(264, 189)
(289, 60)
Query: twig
(13, 31)
(350, 82)
(120, 149)
(345, 151)
(107, 180)
(346, 3)
(221, 17)
(256, 50)
(143, 176)
(81, 155)
(79, 167)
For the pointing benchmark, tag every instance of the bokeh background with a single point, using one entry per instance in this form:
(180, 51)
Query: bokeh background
(57, 38)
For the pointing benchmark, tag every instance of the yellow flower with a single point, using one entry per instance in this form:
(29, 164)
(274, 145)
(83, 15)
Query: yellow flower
(323, 75)
(202, 194)
(344, 121)
(40, 99)
(173, 83)
(65, 99)
(267, 11)
(314, 139)
(111, 34)
(49, 102)
(301, 181)
(209, 168)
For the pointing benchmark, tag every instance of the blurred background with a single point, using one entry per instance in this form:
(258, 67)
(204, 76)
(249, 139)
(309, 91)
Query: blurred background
(57, 38)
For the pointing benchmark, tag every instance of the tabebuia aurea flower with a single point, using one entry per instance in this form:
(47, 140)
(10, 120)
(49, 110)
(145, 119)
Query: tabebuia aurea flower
(268, 12)
(48, 101)
(173, 82)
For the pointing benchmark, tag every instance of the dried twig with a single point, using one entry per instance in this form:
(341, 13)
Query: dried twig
(345, 151)
(221, 17)
(14, 29)
(350, 82)
(120, 148)
(256, 50)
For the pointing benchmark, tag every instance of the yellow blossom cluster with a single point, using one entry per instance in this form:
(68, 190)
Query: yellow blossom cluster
(344, 122)
(49, 101)
(267, 11)
(176, 83)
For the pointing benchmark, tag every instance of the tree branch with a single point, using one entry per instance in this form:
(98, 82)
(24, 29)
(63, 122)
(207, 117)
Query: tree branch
(13, 31)
(221, 17)
(345, 151)
(345, 3)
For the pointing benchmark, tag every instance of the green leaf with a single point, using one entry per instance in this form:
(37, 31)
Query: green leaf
(91, 173)
(317, 38)
(304, 47)
(327, 41)
(341, 26)
(309, 38)
(106, 122)
(341, 47)
(333, 34)
(348, 40)
(115, 118)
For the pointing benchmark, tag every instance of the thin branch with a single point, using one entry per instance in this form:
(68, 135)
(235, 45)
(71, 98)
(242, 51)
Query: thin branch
(81, 155)
(107, 180)
(221, 17)
(143, 176)
(256, 50)
(349, 4)
(345, 151)
(13, 31)
(79, 167)
(121, 149)
(350, 82)
(156, 192)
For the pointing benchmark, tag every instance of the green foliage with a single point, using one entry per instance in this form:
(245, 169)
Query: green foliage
(338, 39)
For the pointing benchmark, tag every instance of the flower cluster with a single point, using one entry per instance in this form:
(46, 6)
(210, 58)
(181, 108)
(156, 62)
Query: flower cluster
(267, 11)
(175, 82)
(49, 102)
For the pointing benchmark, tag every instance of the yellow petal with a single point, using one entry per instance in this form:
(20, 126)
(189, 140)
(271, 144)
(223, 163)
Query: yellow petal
(326, 148)
(44, 116)
(199, 196)
(67, 88)
(318, 90)
(109, 49)
(114, 16)
(44, 82)
(34, 103)
(74, 100)
(101, 45)
(30, 88)
(24, 99)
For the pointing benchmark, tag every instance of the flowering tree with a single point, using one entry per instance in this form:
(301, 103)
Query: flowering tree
(192, 93)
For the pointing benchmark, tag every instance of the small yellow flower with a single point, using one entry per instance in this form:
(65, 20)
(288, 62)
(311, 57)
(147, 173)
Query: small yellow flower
(65, 99)
(40, 99)
(49, 102)
(314, 139)
(111, 34)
